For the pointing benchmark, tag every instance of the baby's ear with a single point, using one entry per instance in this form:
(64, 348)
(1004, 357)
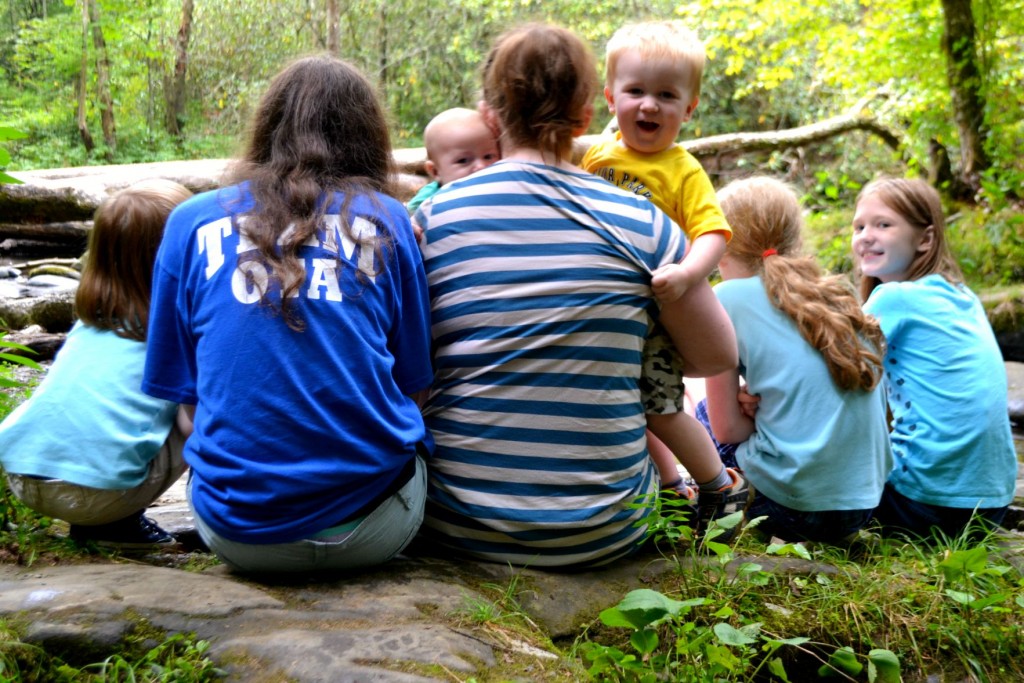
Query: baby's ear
(431, 169)
(609, 98)
(690, 109)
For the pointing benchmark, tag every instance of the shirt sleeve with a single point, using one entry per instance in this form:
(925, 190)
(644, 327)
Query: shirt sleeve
(699, 205)
(170, 371)
(410, 339)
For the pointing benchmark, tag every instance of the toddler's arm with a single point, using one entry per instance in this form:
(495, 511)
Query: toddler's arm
(670, 281)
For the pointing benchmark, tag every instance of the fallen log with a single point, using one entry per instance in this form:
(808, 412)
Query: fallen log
(67, 195)
(45, 344)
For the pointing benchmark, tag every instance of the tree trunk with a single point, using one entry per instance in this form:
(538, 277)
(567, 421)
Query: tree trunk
(959, 43)
(332, 27)
(103, 81)
(83, 82)
(176, 94)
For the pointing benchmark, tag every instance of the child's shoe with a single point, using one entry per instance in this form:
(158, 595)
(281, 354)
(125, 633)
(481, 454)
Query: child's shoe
(137, 532)
(723, 502)
(684, 489)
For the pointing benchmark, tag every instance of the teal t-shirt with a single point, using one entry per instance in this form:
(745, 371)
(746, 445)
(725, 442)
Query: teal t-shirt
(815, 446)
(947, 392)
(88, 422)
(425, 193)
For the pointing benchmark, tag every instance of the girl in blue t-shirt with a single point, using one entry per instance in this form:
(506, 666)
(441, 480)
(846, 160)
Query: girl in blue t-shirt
(946, 382)
(817, 452)
(89, 447)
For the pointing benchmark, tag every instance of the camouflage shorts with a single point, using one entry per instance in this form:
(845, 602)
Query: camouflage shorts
(661, 378)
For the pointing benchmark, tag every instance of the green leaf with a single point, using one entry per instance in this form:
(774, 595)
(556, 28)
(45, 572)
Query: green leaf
(644, 641)
(776, 668)
(643, 607)
(730, 635)
(843, 660)
(883, 666)
(4, 178)
(797, 549)
(961, 563)
(982, 603)
(962, 598)
(8, 133)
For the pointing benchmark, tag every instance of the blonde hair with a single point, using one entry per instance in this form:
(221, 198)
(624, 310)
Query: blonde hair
(766, 220)
(540, 81)
(659, 40)
(919, 204)
(117, 277)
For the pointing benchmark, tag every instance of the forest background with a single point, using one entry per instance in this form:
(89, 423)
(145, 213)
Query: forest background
(120, 81)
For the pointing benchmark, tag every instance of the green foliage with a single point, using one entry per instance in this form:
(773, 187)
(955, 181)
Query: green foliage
(771, 66)
(874, 612)
(180, 658)
(5, 157)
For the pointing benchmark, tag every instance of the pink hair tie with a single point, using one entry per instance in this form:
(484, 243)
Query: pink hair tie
(768, 252)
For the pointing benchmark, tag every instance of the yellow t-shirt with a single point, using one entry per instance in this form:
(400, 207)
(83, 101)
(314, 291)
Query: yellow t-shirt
(673, 179)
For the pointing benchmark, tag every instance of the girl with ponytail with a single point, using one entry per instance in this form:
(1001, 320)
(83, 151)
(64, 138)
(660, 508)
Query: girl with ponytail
(817, 452)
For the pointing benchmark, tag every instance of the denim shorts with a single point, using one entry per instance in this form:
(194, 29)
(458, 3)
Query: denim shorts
(377, 538)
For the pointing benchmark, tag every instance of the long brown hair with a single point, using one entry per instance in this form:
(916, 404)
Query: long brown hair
(920, 205)
(117, 276)
(539, 80)
(319, 129)
(766, 220)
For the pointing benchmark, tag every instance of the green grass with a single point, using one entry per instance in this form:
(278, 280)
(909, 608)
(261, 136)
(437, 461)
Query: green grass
(880, 611)
(179, 658)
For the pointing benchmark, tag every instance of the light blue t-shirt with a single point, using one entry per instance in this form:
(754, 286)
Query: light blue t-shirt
(816, 447)
(88, 422)
(947, 393)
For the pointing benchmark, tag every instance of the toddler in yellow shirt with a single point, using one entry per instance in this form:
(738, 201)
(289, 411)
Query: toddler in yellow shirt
(653, 75)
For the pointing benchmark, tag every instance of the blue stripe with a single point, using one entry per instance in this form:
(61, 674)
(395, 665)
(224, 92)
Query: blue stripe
(497, 378)
(576, 353)
(552, 437)
(560, 328)
(535, 407)
(554, 465)
(485, 278)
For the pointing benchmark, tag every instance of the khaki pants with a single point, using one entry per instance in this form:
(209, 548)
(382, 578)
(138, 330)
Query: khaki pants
(89, 506)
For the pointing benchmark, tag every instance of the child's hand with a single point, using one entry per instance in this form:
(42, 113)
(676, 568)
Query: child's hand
(670, 282)
(417, 230)
(748, 402)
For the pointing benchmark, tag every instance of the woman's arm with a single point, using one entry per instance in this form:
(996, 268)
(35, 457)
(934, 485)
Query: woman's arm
(728, 423)
(701, 331)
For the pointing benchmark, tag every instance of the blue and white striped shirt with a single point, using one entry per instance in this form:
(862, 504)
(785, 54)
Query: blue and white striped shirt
(540, 303)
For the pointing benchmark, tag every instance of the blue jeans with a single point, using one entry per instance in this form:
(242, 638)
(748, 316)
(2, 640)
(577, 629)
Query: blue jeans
(379, 536)
(824, 526)
(898, 514)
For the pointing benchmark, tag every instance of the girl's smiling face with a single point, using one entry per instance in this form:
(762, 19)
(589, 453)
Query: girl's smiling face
(884, 243)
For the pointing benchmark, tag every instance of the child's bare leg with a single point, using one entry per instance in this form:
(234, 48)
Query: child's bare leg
(701, 331)
(684, 439)
(663, 458)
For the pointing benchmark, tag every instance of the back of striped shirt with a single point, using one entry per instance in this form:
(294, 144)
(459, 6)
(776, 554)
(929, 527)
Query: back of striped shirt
(540, 304)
